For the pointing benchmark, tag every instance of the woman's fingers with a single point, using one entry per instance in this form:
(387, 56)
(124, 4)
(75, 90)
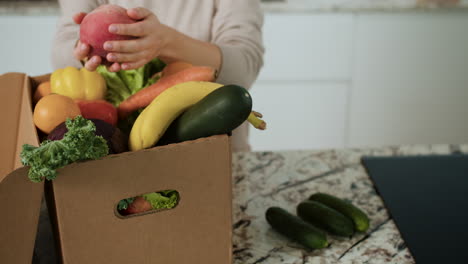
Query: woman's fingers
(126, 57)
(135, 52)
(123, 46)
(138, 13)
(133, 65)
(93, 63)
(78, 17)
(134, 45)
(138, 29)
(81, 51)
(115, 67)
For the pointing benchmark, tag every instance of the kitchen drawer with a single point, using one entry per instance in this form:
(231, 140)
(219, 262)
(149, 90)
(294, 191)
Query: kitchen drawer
(299, 115)
(307, 46)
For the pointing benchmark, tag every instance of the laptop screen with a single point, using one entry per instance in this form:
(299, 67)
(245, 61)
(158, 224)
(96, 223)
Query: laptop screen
(427, 197)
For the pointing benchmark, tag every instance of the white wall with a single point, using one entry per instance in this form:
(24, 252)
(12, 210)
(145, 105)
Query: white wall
(303, 88)
(410, 79)
(365, 79)
(26, 44)
(331, 80)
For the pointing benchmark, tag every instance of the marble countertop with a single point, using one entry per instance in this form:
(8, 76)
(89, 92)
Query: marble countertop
(265, 179)
(51, 8)
(284, 179)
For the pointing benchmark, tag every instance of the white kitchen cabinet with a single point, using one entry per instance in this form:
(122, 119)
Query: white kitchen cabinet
(300, 115)
(302, 89)
(302, 46)
(26, 44)
(410, 79)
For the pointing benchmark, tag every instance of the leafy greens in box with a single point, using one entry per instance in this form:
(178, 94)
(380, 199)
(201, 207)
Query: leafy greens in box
(79, 143)
(122, 84)
(158, 200)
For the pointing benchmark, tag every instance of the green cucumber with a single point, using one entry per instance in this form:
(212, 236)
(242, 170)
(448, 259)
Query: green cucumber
(295, 228)
(220, 112)
(326, 218)
(359, 218)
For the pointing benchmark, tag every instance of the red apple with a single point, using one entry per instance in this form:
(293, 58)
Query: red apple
(94, 29)
(139, 205)
(98, 109)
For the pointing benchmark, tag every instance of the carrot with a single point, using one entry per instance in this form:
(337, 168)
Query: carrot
(175, 67)
(145, 96)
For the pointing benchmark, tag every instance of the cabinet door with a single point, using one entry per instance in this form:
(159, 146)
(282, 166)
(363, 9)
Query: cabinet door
(299, 115)
(410, 80)
(302, 88)
(307, 46)
(26, 44)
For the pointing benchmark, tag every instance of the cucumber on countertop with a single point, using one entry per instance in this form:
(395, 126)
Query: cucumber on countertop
(359, 218)
(295, 228)
(326, 218)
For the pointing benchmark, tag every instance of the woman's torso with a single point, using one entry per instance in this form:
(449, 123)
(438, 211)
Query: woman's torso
(191, 17)
(195, 19)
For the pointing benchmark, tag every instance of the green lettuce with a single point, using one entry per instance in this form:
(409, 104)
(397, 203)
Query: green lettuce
(79, 143)
(163, 199)
(159, 200)
(122, 84)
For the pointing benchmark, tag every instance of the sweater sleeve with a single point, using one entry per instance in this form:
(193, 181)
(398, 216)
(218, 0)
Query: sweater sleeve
(237, 30)
(67, 32)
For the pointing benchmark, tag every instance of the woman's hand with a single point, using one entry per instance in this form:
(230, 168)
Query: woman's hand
(152, 38)
(81, 50)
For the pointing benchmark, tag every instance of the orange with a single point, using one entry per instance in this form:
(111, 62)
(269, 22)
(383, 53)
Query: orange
(42, 90)
(52, 110)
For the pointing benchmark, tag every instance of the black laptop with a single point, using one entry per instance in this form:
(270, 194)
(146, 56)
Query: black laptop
(427, 197)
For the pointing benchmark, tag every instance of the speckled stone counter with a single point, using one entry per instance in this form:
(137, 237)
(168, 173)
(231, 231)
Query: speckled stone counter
(264, 179)
(284, 179)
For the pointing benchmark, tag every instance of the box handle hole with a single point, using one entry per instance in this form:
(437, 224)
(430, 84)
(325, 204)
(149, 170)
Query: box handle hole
(147, 203)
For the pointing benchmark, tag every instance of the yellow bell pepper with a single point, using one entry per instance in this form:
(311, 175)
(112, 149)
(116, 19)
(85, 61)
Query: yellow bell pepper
(78, 83)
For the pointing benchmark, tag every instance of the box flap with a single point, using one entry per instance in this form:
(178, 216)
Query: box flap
(18, 125)
(21, 199)
(27, 133)
(87, 193)
(11, 89)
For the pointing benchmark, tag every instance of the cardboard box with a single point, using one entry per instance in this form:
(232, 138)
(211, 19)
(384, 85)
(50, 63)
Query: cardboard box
(82, 200)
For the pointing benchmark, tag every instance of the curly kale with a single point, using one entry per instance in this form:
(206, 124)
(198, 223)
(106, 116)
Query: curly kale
(123, 204)
(79, 143)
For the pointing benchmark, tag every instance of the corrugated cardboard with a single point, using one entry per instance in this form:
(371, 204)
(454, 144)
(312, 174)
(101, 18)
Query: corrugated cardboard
(84, 196)
(17, 125)
(20, 197)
